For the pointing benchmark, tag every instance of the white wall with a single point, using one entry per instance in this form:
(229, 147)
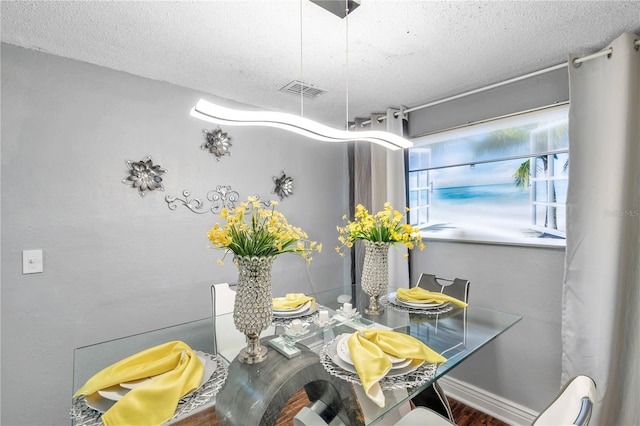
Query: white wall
(114, 263)
(522, 365)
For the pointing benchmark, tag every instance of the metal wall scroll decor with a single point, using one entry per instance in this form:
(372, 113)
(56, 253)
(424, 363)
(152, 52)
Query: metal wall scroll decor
(284, 185)
(217, 143)
(144, 175)
(221, 197)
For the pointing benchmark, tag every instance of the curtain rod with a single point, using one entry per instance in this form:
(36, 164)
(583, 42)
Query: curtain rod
(474, 91)
(576, 61)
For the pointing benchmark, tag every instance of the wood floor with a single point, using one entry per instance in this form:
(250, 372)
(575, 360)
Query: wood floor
(463, 415)
(467, 416)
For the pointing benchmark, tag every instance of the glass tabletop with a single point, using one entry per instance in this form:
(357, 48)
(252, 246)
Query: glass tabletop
(456, 335)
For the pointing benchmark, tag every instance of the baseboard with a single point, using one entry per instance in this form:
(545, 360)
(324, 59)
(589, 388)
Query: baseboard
(494, 405)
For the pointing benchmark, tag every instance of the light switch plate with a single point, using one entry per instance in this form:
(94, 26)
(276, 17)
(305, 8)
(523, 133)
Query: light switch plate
(32, 261)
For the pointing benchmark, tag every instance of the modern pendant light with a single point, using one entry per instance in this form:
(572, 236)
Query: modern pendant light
(214, 113)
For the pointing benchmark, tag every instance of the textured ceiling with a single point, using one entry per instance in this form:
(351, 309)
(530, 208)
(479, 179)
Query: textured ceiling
(400, 52)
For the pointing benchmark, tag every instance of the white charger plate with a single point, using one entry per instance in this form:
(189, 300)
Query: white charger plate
(306, 309)
(299, 309)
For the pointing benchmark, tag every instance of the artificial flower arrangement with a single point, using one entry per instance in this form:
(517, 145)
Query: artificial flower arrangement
(253, 229)
(388, 225)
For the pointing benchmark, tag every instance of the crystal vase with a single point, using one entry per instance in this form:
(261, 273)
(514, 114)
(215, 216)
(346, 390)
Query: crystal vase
(253, 307)
(375, 274)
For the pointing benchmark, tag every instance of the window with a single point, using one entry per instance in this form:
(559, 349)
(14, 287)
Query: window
(500, 181)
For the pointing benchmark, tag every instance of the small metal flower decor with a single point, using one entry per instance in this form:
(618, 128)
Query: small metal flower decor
(144, 175)
(284, 185)
(217, 143)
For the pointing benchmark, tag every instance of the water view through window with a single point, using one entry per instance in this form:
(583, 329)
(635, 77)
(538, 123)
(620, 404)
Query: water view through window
(505, 182)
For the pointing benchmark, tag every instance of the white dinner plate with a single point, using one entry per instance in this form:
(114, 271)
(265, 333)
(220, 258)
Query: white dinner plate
(343, 349)
(98, 403)
(332, 352)
(114, 393)
(132, 384)
(343, 352)
(393, 296)
(299, 309)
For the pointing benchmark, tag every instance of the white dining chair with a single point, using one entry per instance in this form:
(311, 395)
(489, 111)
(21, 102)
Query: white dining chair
(572, 406)
(416, 417)
(434, 396)
(423, 416)
(227, 341)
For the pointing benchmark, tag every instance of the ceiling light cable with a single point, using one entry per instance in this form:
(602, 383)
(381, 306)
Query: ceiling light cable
(346, 54)
(301, 68)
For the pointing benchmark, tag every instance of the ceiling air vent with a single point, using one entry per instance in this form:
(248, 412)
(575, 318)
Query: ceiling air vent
(308, 91)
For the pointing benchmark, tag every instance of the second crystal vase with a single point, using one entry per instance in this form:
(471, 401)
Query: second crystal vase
(375, 274)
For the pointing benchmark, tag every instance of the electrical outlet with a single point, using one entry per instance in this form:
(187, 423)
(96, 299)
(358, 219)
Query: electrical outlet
(32, 261)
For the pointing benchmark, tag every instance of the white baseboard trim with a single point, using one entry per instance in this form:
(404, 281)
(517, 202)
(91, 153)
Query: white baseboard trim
(494, 405)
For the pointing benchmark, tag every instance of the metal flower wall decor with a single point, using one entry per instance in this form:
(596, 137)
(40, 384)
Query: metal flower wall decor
(217, 143)
(284, 185)
(144, 175)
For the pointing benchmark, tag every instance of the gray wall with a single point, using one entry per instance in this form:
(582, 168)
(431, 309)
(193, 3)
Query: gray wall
(115, 263)
(523, 365)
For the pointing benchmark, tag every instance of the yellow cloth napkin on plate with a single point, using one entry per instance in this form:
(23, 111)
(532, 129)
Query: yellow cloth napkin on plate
(369, 349)
(419, 294)
(178, 371)
(291, 301)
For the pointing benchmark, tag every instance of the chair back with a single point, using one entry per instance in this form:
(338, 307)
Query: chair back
(227, 340)
(572, 406)
(458, 287)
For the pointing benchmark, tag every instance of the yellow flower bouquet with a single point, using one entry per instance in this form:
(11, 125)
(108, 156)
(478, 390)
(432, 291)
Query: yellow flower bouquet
(252, 229)
(388, 225)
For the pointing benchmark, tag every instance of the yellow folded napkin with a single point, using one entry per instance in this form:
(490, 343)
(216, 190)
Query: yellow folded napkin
(419, 294)
(179, 372)
(291, 301)
(369, 349)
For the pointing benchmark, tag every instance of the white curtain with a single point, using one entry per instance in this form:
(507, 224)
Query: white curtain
(379, 177)
(394, 192)
(601, 294)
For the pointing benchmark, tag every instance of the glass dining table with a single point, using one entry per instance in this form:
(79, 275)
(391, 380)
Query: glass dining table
(300, 357)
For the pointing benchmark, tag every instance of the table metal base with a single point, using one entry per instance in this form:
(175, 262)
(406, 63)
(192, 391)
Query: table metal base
(255, 394)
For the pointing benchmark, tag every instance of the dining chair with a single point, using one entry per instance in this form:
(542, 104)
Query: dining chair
(423, 416)
(434, 397)
(457, 287)
(415, 417)
(226, 339)
(572, 406)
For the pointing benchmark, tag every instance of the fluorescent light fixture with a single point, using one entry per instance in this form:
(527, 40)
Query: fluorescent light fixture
(213, 113)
